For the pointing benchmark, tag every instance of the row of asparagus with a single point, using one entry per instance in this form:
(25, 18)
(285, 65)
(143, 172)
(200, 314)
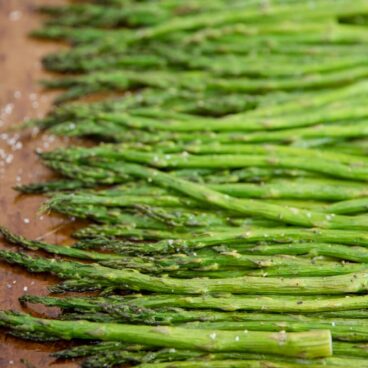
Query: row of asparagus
(226, 193)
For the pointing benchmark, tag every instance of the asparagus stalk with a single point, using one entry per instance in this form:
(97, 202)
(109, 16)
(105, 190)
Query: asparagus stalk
(348, 207)
(85, 175)
(77, 304)
(171, 264)
(355, 147)
(108, 131)
(251, 175)
(349, 253)
(246, 207)
(52, 186)
(211, 104)
(209, 262)
(329, 306)
(135, 14)
(234, 15)
(317, 99)
(156, 221)
(143, 216)
(148, 119)
(310, 344)
(221, 161)
(238, 239)
(299, 188)
(271, 323)
(186, 58)
(154, 308)
(82, 285)
(56, 249)
(117, 151)
(109, 354)
(131, 221)
(339, 331)
(165, 201)
(197, 80)
(127, 279)
(217, 148)
(206, 319)
(132, 15)
(91, 349)
(119, 357)
(293, 268)
(160, 218)
(250, 364)
(346, 349)
(109, 358)
(337, 251)
(88, 175)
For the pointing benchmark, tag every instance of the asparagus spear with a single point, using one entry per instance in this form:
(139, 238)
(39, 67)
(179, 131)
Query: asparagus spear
(339, 331)
(143, 216)
(349, 253)
(357, 349)
(235, 15)
(310, 137)
(108, 359)
(310, 344)
(289, 268)
(299, 188)
(56, 249)
(173, 263)
(91, 349)
(169, 147)
(127, 279)
(270, 321)
(217, 148)
(154, 307)
(138, 220)
(250, 364)
(247, 207)
(190, 126)
(241, 65)
(206, 263)
(238, 239)
(59, 200)
(339, 251)
(315, 100)
(276, 189)
(132, 15)
(211, 104)
(251, 175)
(196, 80)
(205, 319)
(109, 354)
(86, 174)
(82, 285)
(123, 13)
(327, 166)
(355, 147)
(147, 119)
(352, 206)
